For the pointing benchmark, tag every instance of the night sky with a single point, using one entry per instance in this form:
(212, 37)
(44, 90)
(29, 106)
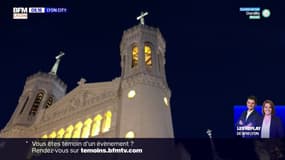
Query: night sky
(215, 55)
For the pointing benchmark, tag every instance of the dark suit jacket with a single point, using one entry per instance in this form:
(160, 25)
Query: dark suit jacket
(276, 128)
(254, 118)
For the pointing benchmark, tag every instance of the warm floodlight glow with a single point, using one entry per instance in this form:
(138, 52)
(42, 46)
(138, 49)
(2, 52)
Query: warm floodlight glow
(131, 94)
(130, 134)
(165, 101)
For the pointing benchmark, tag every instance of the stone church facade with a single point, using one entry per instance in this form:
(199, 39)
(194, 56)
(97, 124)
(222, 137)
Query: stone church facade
(134, 105)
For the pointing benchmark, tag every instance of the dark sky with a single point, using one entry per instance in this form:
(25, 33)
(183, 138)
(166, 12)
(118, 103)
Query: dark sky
(215, 55)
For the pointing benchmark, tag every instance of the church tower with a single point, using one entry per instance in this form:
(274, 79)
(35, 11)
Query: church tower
(145, 96)
(41, 90)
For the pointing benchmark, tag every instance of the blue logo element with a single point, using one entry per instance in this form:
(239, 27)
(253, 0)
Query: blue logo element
(251, 9)
(55, 10)
(36, 10)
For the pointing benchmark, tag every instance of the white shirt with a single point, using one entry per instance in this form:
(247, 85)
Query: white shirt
(248, 113)
(265, 128)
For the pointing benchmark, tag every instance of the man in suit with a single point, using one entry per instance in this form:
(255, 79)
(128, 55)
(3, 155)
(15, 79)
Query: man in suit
(250, 117)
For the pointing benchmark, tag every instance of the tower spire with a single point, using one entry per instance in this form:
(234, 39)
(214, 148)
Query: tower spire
(56, 64)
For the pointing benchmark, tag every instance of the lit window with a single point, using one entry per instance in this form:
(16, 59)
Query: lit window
(45, 136)
(86, 128)
(77, 130)
(107, 122)
(60, 133)
(131, 94)
(52, 135)
(68, 132)
(130, 134)
(147, 55)
(96, 126)
(135, 56)
(165, 101)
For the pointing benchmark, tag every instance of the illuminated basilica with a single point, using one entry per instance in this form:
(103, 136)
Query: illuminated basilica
(136, 104)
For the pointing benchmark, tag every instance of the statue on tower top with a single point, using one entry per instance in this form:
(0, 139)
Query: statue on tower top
(141, 17)
(56, 64)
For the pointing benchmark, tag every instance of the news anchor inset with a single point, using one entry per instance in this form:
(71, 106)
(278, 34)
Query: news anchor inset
(271, 125)
(248, 125)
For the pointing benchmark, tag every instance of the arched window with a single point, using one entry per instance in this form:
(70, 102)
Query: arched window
(96, 125)
(45, 136)
(147, 54)
(107, 121)
(86, 128)
(77, 130)
(49, 102)
(24, 106)
(60, 133)
(36, 103)
(68, 132)
(135, 56)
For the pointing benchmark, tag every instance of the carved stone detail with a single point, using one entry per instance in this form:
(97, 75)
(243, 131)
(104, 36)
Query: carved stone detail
(147, 80)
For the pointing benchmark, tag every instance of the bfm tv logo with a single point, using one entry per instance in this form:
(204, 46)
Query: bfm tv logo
(20, 12)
